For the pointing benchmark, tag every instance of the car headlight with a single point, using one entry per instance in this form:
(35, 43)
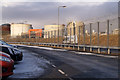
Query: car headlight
(16, 51)
(4, 59)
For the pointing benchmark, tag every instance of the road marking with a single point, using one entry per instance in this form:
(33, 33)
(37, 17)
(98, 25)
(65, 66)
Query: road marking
(70, 78)
(54, 66)
(107, 56)
(61, 71)
(64, 74)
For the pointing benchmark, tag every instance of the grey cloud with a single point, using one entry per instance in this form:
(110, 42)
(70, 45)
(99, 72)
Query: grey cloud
(41, 13)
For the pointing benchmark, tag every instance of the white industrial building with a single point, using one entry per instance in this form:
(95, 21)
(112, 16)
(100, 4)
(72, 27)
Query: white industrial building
(17, 29)
(52, 30)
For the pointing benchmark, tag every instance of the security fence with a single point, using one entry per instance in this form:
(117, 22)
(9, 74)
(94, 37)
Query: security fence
(101, 36)
(99, 33)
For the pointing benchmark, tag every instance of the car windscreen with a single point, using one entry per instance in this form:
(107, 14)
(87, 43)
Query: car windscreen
(5, 50)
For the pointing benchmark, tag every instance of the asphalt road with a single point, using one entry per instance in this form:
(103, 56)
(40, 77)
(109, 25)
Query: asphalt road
(72, 66)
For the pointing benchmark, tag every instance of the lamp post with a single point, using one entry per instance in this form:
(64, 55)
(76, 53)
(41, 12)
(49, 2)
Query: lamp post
(58, 19)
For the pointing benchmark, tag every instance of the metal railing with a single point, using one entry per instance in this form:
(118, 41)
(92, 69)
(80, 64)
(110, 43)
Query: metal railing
(86, 48)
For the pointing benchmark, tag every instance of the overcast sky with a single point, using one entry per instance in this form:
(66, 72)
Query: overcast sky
(41, 13)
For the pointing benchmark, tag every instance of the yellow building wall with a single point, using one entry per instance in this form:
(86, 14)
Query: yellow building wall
(77, 25)
(52, 30)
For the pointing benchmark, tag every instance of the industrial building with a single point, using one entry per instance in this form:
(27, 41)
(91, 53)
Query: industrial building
(17, 29)
(75, 26)
(73, 29)
(115, 31)
(35, 33)
(52, 30)
(5, 29)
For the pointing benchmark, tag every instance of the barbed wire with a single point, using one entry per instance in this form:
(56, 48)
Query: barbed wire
(101, 18)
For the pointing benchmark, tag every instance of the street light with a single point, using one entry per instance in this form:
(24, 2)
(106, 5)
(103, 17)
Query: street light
(58, 19)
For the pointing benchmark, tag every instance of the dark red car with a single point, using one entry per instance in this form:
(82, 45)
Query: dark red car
(6, 65)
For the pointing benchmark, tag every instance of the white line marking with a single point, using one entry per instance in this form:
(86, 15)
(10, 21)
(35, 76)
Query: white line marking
(108, 56)
(54, 66)
(66, 75)
(61, 71)
(70, 78)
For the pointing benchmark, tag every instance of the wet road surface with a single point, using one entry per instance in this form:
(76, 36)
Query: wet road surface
(72, 65)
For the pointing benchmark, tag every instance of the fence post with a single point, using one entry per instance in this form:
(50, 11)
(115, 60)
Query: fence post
(39, 36)
(70, 36)
(108, 33)
(90, 37)
(42, 36)
(54, 37)
(36, 37)
(79, 39)
(108, 36)
(66, 35)
(51, 38)
(84, 38)
(48, 37)
(119, 29)
(58, 38)
(90, 33)
(98, 37)
(74, 35)
(98, 34)
(62, 36)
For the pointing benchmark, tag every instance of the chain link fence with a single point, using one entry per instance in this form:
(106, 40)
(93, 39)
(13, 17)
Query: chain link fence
(94, 33)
